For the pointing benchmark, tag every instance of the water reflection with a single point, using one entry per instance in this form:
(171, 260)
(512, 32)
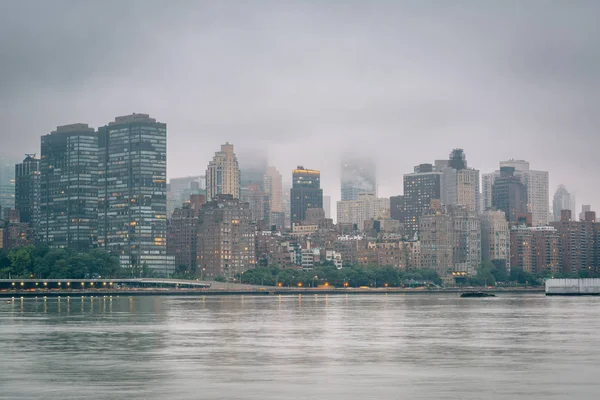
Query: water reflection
(333, 347)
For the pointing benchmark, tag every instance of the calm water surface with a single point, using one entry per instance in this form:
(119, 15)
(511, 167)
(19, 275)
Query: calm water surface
(319, 347)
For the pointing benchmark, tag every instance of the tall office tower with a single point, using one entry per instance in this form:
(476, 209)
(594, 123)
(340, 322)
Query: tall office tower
(258, 201)
(420, 187)
(436, 231)
(563, 200)
(467, 193)
(69, 187)
(179, 191)
(460, 184)
(358, 176)
(27, 190)
(537, 184)
(306, 192)
(450, 239)
(535, 249)
(182, 234)
(223, 174)
(487, 183)
(579, 243)
(327, 206)
(366, 207)
(273, 187)
(286, 200)
(226, 238)
(132, 198)
(7, 185)
(467, 240)
(495, 239)
(509, 194)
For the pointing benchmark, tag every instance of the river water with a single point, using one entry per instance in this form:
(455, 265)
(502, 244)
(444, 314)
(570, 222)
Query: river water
(300, 347)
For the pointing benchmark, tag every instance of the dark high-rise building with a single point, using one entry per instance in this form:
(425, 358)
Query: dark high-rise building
(132, 197)
(358, 176)
(226, 237)
(306, 192)
(397, 208)
(68, 187)
(182, 234)
(420, 188)
(27, 190)
(509, 194)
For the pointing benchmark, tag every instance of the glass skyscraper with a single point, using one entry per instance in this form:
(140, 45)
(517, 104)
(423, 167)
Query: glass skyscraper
(306, 192)
(132, 198)
(68, 187)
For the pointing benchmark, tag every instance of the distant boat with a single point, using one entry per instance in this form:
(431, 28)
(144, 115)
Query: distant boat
(477, 294)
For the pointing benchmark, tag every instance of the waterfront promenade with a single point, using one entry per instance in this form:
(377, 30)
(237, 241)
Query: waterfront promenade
(187, 288)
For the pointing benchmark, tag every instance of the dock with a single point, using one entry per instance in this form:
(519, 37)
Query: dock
(573, 287)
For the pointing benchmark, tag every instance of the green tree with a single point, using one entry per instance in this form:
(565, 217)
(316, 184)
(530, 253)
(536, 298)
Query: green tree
(21, 262)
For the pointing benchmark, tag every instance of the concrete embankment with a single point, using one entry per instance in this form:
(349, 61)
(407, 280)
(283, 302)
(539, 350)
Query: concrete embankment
(251, 292)
(573, 287)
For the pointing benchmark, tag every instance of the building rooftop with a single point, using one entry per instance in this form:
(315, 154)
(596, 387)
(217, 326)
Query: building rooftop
(77, 127)
(128, 119)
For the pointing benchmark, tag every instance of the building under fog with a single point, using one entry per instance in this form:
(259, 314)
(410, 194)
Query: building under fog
(358, 176)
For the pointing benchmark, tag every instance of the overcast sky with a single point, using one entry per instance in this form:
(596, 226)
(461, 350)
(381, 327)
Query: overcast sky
(403, 81)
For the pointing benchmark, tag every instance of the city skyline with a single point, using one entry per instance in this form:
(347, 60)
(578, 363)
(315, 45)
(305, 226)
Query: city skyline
(301, 198)
(354, 96)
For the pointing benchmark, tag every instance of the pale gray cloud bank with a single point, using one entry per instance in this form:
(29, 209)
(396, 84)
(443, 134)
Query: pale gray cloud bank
(403, 81)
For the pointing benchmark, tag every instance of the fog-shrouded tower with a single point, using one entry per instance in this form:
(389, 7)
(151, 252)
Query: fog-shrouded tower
(223, 174)
(273, 187)
(132, 198)
(253, 165)
(306, 192)
(563, 200)
(359, 175)
(69, 187)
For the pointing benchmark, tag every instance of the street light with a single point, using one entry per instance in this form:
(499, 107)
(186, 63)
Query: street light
(313, 282)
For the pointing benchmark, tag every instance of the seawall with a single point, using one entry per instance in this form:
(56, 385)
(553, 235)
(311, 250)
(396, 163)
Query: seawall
(251, 292)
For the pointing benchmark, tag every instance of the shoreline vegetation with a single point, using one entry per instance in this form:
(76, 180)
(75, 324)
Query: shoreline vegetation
(40, 262)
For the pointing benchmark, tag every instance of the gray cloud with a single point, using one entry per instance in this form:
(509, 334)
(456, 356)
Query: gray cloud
(403, 81)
